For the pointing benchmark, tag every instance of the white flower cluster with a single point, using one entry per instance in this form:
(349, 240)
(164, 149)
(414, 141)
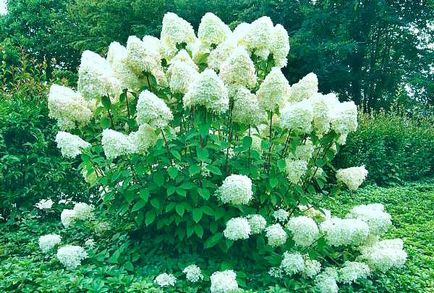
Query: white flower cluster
(292, 263)
(352, 271)
(374, 215)
(297, 117)
(257, 223)
(165, 280)
(276, 236)
(326, 281)
(47, 242)
(304, 230)
(339, 232)
(96, 78)
(237, 228)
(175, 31)
(280, 215)
(193, 273)
(304, 88)
(70, 145)
(182, 72)
(116, 144)
(236, 190)
(238, 69)
(212, 31)
(224, 282)
(384, 255)
(273, 91)
(246, 108)
(71, 256)
(352, 177)
(295, 170)
(68, 107)
(152, 110)
(209, 91)
(81, 211)
(44, 204)
(311, 268)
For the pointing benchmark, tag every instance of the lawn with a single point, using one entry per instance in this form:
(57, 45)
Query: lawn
(23, 268)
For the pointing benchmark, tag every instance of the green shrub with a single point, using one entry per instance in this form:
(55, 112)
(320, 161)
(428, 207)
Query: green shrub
(31, 167)
(394, 147)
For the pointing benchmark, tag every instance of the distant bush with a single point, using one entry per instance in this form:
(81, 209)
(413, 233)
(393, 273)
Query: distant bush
(31, 167)
(395, 147)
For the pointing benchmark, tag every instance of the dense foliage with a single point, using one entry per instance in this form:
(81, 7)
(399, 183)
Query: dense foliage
(395, 147)
(31, 167)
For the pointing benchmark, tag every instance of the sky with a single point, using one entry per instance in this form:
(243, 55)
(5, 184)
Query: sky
(3, 7)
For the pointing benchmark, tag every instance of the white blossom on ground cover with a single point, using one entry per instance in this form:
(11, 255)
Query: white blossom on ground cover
(47, 242)
(165, 280)
(71, 256)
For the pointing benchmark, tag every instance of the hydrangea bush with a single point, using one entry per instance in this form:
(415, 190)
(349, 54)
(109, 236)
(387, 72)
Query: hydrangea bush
(201, 142)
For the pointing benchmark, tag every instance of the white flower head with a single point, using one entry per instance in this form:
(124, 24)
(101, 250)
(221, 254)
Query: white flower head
(276, 236)
(352, 177)
(237, 228)
(96, 78)
(311, 268)
(143, 138)
(71, 256)
(281, 215)
(165, 280)
(273, 91)
(212, 30)
(297, 117)
(207, 90)
(257, 223)
(117, 57)
(246, 108)
(259, 37)
(181, 75)
(193, 273)
(70, 145)
(304, 88)
(44, 204)
(116, 144)
(374, 215)
(152, 110)
(83, 211)
(323, 106)
(341, 232)
(223, 282)
(68, 107)
(175, 31)
(67, 217)
(236, 190)
(47, 242)
(279, 46)
(292, 263)
(239, 69)
(352, 271)
(384, 255)
(220, 54)
(304, 230)
(326, 281)
(344, 118)
(295, 170)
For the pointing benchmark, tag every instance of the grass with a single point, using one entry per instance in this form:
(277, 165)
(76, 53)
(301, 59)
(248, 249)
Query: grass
(24, 269)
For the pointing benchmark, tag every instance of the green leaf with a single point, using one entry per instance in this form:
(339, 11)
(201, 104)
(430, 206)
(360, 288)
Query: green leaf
(181, 192)
(204, 193)
(197, 215)
(144, 194)
(105, 101)
(138, 205)
(171, 190)
(150, 217)
(273, 182)
(158, 179)
(180, 209)
(213, 240)
(155, 203)
(193, 170)
(213, 169)
(176, 154)
(202, 154)
(105, 122)
(247, 142)
(281, 164)
(198, 230)
(173, 172)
